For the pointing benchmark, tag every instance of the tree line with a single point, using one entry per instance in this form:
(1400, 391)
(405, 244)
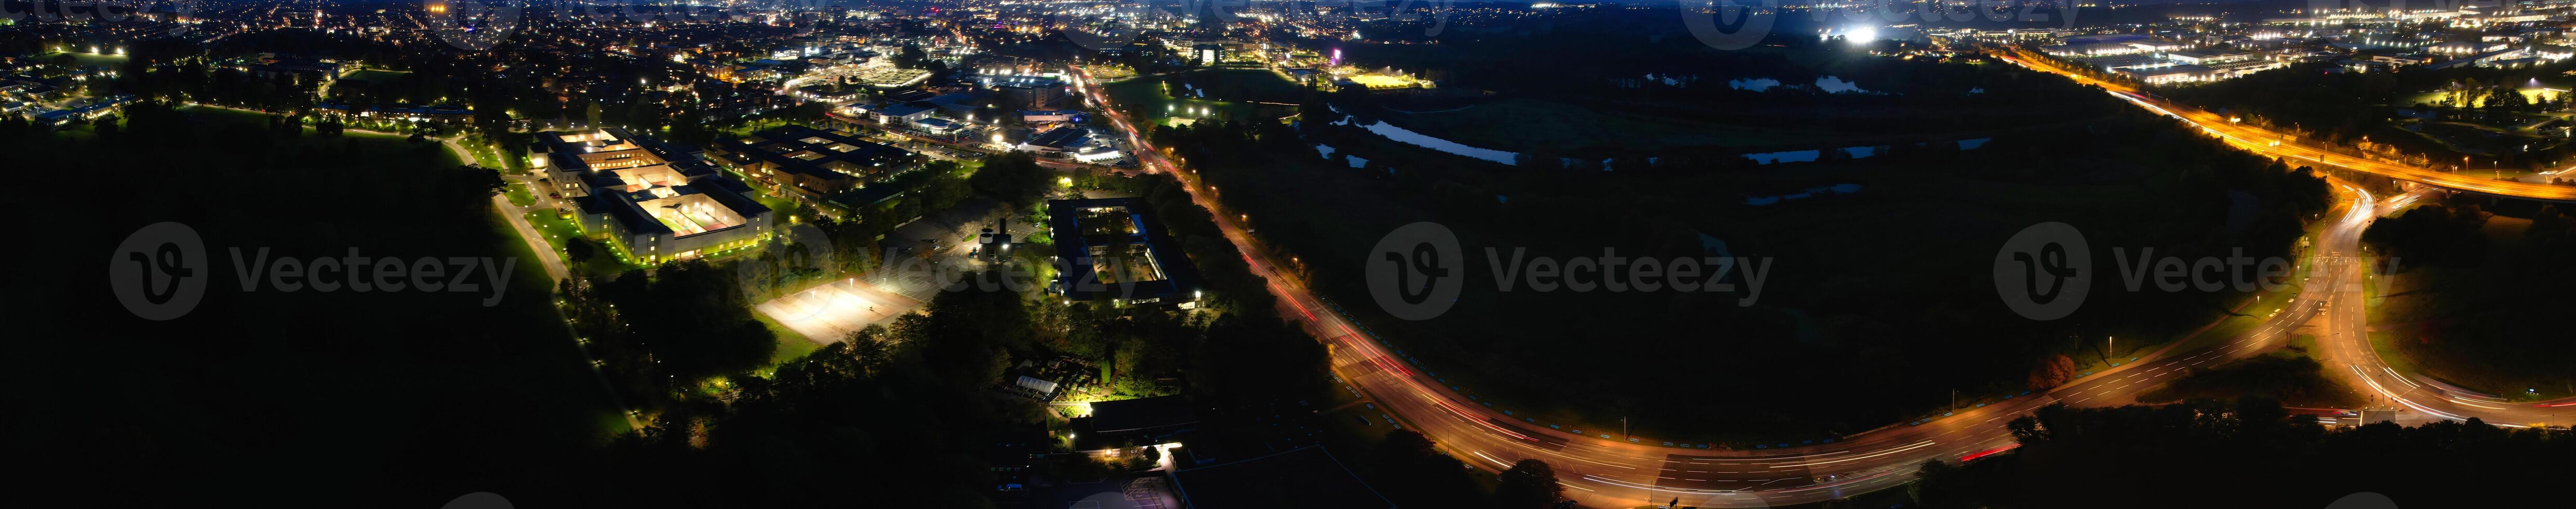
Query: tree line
(2252, 453)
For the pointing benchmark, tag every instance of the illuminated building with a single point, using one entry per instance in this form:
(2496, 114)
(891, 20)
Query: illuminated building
(657, 203)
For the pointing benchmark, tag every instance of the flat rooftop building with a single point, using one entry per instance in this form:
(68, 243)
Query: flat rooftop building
(658, 203)
(1058, 140)
(812, 162)
(1115, 248)
(1027, 92)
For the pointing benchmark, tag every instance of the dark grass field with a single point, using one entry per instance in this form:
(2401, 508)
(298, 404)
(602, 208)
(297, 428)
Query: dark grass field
(2462, 324)
(260, 393)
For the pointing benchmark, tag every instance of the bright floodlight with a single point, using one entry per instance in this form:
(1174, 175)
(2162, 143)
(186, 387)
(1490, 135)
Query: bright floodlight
(1860, 35)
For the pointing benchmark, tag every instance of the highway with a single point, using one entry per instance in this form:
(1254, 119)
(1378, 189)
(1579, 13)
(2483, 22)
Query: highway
(2348, 353)
(2347, 344)
(1611, 472)
(2286, 147)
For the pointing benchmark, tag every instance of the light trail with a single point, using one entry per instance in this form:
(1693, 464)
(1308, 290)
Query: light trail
(1731, 477)
(1999, 450)
(2287, 147)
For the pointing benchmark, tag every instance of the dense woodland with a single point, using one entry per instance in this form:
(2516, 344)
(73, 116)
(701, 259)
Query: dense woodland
(357, 395)
(2250, 453)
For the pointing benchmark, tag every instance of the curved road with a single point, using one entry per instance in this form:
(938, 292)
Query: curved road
(2347, 350)
(1600, 472)
(2346, 342)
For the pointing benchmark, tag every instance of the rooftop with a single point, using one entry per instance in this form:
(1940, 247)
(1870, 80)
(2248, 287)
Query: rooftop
(814, 153)
(649, 187)
(1115, 248)
(1060, 138)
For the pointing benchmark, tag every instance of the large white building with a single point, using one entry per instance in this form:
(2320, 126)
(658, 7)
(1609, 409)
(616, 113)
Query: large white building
(656, 203)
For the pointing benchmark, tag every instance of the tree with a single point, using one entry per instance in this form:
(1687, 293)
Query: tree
(2432, 234)
(809, 111)
(1413, 473)
(1529, 484)
(579, 250)
(2056, 370)
(2551, 229)
(2253, 450)
(911, 56)
(947, 186)
(105, 126)
(686, 321)
(974, 330)
(1015, 178)
(871, 345)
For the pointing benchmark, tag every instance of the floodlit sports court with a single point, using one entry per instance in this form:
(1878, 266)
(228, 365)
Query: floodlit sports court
(831, 311)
